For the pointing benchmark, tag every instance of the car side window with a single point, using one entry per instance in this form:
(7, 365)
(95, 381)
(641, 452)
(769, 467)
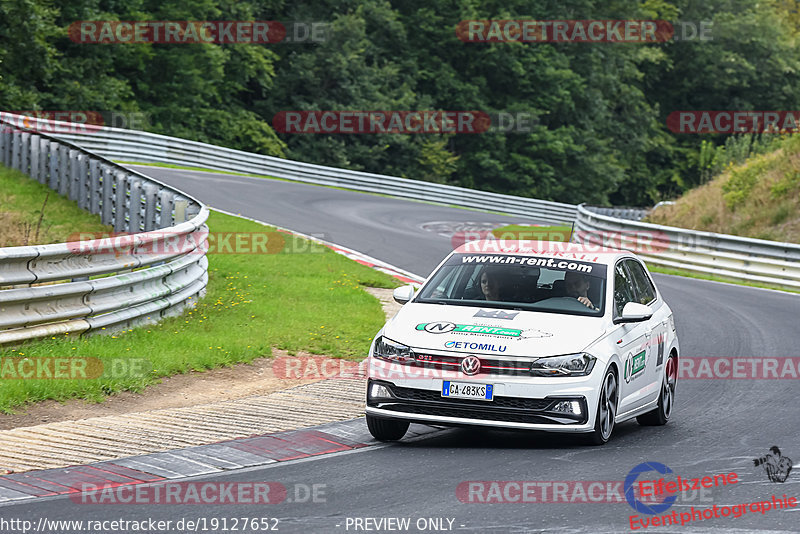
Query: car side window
(645, 291)
(446, 284)
(623, 289)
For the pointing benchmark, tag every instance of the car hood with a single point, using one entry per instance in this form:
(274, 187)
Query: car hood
(492, 331)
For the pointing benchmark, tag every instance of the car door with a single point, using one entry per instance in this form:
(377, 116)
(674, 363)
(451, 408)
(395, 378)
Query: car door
(632, 340)
(656, 339)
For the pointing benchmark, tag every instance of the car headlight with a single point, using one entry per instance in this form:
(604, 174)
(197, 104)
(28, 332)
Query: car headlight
(392, 351)
(580, 364)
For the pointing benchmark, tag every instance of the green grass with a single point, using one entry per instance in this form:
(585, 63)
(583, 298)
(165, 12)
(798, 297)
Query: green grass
(758, 198)
(21, 200)
(297, 301)
(716, 278)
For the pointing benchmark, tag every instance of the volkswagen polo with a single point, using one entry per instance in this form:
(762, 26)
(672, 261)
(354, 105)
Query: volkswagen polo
(547, 336)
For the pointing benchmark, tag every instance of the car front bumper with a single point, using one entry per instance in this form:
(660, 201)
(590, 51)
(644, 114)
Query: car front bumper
(519, 402)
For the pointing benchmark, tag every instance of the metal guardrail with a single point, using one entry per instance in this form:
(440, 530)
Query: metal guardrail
(740, 258)
(109, 284)
(133, 145)
(632, 214)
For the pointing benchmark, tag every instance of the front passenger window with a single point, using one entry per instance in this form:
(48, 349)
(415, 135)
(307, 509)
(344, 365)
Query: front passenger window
(644, 287)
(623, 289)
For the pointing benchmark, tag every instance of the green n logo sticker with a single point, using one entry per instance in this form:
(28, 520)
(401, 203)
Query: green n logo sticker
(638, 363)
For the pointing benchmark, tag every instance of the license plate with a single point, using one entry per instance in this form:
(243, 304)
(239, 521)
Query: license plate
(467, 390)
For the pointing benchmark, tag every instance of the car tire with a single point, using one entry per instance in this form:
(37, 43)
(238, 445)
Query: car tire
(386, 429)
(606, 410)
(666, 397)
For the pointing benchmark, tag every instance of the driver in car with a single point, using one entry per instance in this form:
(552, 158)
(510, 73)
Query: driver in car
(577, 286)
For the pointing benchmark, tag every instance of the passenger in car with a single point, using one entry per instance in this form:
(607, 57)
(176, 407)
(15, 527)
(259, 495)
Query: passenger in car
(490, 284)
(577, 286)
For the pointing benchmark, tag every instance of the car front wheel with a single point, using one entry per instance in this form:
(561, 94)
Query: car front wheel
(606, 410)
(386, 429)
(666, 399)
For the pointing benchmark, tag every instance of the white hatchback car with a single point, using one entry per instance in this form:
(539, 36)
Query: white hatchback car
(551, 336)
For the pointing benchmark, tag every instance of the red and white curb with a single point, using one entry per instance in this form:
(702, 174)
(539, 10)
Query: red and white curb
(194, 461)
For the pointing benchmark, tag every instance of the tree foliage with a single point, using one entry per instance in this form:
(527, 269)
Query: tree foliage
(600, 134)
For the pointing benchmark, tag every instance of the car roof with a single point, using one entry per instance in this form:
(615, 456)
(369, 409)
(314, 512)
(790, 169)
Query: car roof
(547, 249)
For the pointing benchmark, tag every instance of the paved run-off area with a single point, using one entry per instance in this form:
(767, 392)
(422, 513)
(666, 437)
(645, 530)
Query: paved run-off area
(96, 439)
(105, 438)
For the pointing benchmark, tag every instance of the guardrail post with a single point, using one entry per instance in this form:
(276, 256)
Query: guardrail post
(167, 200)
(74, 175)
(150, 198)
(135, 209)
(63, 170)
(191, 210)
(24, 152)
(15, 150)
(55, 161)
(3, 143)
(44, 156)
(120, 195)
(180, 210)
(34, 157)
(95, 191)
(83, 182)
(107, 197)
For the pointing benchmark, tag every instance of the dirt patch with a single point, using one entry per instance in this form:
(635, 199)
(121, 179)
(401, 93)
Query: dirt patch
(228, 383)
(390, 307)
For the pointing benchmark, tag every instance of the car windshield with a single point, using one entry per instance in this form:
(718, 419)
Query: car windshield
(523, 282)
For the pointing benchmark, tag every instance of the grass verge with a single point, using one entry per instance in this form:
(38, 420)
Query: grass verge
(25, 218)
(715, 278)
(305, 298)
(759, 198)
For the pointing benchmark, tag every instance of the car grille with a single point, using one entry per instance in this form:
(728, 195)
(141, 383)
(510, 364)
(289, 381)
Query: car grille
(494, 366)
(500, 402)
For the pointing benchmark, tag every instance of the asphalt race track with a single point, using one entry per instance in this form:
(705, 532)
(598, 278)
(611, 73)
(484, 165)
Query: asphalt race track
(386, 228)
(719, 426)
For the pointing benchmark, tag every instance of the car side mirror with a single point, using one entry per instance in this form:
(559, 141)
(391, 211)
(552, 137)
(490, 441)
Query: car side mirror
(633, 312)
(403, 294)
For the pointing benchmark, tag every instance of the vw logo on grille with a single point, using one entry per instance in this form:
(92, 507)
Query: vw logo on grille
(470, 365)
